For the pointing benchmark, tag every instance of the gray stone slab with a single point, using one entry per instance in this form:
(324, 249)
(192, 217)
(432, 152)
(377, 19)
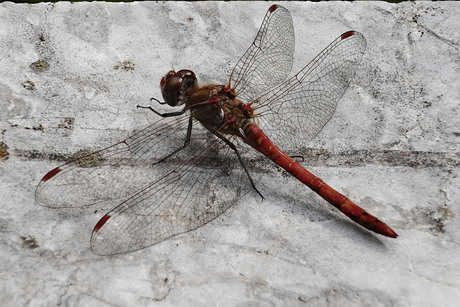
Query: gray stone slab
(71, 75)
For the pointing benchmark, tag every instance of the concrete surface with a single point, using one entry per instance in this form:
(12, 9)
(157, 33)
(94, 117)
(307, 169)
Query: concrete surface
(71, 76)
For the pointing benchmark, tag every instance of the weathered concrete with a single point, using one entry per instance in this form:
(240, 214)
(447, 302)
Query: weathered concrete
(71, 76)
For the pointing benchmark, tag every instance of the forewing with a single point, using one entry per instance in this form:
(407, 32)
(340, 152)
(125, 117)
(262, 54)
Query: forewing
(192, 188)
(114, 173)
(268, 61)
(294, 112)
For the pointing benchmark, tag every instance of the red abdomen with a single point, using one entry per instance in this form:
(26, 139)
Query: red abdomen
(258, 140)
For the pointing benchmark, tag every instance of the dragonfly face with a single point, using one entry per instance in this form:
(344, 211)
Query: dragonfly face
(178, 87)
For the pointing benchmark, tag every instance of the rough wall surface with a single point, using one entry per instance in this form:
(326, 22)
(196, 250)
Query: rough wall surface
(71, 75)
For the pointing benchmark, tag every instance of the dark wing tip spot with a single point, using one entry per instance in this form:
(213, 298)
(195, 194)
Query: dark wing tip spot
(273, 8)
(348, 34)
(101, 222)
(51, 174)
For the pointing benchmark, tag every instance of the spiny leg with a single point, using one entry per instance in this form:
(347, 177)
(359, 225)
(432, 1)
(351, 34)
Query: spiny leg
(171, 114)
(232, 146)
(187, 137)
(186, 143)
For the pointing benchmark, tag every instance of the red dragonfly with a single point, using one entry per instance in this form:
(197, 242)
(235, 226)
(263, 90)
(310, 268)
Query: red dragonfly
(187, 168)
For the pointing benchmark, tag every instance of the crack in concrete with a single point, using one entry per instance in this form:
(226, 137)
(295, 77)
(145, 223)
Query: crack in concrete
(414, 159)
(320, 157)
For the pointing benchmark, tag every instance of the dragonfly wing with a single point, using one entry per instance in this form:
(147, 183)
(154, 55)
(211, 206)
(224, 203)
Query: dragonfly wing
(294, 112)
(268, 61)
(113, 173)
(192, 188)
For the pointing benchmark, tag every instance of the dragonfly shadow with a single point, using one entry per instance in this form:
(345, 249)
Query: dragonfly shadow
(315, 210)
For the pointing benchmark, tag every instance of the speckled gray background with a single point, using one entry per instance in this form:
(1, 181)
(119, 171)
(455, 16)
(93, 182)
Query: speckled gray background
(71, 76)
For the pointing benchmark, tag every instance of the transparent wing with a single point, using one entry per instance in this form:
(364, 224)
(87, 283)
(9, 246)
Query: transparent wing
(155, 198)
(112, 173)
(268, 61)
(192, 188)
(294, 112)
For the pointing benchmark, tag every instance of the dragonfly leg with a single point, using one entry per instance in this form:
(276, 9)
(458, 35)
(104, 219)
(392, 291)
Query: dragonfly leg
(232, 146)
(163, 114)
(160, 102)
(186, 143)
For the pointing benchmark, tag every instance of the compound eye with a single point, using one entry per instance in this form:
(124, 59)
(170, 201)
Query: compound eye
(170, 74)
(177, 87)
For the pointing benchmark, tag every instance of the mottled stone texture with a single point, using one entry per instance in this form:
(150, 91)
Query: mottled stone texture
(71, 75)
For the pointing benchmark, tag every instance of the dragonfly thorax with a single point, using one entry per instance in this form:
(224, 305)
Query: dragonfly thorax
(218, 109)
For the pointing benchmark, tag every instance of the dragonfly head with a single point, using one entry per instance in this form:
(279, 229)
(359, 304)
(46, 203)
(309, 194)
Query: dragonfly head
(178, 87)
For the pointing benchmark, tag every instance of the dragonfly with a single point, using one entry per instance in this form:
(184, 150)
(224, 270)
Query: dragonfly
(201, 156)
